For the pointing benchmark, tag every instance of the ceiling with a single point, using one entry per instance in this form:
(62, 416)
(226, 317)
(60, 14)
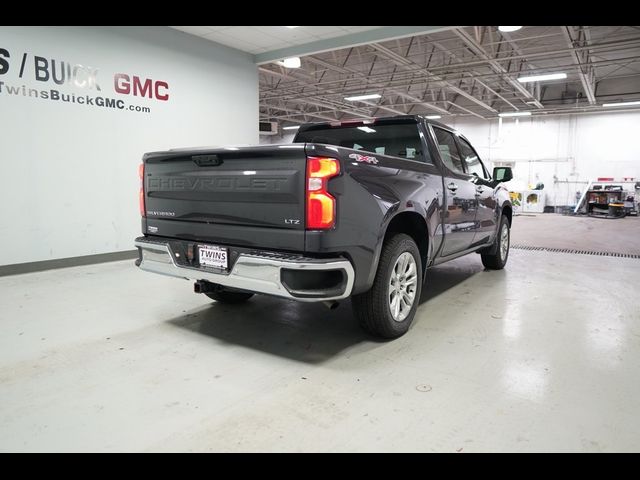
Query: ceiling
(257, 40)
(446, 71)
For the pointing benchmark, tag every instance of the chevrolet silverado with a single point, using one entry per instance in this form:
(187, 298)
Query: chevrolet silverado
(357, 209)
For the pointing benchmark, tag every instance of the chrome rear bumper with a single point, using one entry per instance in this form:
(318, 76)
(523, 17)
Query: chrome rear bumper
(259, 272)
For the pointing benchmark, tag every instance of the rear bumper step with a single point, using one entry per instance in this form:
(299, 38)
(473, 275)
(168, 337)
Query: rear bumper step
(297, 278)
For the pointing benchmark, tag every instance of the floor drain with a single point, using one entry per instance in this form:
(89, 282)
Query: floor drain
(576, 252)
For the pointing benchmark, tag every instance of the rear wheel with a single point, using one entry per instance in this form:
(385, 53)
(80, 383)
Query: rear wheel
(225, 296)
(388, 308)
(497, 260)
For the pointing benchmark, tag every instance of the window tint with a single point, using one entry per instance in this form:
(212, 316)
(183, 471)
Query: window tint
(448, 150)
(471, 159)
(398, 140)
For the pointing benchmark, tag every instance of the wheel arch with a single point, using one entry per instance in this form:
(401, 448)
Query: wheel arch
(413, 224)
(507, 210)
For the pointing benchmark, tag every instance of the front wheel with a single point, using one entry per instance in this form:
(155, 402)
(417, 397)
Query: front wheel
(497, 260)
(388, 308)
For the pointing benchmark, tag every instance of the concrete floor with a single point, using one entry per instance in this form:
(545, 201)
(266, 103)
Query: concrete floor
(543, 356)
(552, 230)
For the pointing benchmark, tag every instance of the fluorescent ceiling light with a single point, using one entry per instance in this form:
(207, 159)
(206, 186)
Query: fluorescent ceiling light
(433, 117)
(295, 127)
(293, 62)
(367, 129)
(515, 114)
(508, 29)
(294, 27)
(540, 78)
(620, 104)
(363, 97)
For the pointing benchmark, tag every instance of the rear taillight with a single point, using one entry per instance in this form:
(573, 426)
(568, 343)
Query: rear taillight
(321, 206)
(143, 212)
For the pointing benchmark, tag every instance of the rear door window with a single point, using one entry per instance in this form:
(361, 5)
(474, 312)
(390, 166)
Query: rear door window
(448, 150)
(472, 160)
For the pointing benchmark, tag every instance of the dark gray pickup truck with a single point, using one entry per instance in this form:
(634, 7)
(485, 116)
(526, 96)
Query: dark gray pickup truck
(354, 209)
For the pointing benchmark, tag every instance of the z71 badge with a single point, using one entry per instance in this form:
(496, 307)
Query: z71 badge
(364, 158)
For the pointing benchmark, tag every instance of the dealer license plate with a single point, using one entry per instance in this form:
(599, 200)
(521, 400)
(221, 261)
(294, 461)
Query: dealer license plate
(212, 256)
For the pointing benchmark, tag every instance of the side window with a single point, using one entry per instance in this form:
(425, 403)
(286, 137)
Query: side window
(448, 150)
(472, 161)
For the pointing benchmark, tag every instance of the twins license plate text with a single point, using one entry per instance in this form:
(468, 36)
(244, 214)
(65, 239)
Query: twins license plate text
(212, 256)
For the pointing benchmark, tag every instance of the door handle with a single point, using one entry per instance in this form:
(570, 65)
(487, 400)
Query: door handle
(479, 189)
(207, 160)
(452, 186)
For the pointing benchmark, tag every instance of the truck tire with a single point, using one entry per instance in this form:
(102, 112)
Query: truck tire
(497, 260)
(225, 296)
(388, 308)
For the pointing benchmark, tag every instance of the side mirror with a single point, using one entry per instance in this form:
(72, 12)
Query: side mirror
(502, 174)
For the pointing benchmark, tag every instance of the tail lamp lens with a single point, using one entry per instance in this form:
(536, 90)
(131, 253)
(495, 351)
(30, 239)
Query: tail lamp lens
(321, 205)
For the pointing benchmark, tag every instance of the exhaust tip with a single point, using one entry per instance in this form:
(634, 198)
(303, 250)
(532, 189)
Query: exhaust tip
(332, 305)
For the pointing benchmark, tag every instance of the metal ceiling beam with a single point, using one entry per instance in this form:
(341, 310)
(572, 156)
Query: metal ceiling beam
(559, 110)
(350, 71)
(411, 75)
(282, 75)
(465, 110)
(329, 105)
(335, 106)
(411, 81)
(406, 63)
(546, 55)
(293, 117)
(298, 112)
(384, 107)
(455, 57)
(497, 67)
(514, 46)
(345, 41)
(516, 49)
(317, 91)
(586, 71)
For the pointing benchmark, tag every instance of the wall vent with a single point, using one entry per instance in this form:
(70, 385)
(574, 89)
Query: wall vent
(268, 128)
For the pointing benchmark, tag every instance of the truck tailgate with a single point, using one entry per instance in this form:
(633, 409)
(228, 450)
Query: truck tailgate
(243, 196)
